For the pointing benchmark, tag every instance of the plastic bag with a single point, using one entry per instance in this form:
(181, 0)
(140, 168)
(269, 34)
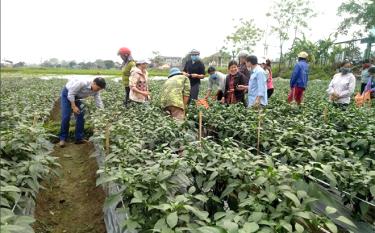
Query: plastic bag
(202, 102)
(360, 100)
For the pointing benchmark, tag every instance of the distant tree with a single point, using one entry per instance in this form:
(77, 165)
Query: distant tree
(52, 62)
(156, 59)
(100, 64)
(357, 12)
(290, 17)
(352, 52)
(109, 64)
(302, 44)
(92, 65)
(64, 64)
(72, 64)
(82, 65)
(323, 48)
(244, 37)
(19, 64)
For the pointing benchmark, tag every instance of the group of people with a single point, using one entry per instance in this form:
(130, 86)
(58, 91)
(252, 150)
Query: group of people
(250, 76)
(343, 83)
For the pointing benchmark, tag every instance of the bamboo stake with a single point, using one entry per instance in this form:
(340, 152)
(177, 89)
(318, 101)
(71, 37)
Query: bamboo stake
(325, 114)
(259, 124)
(200, 126)
(107, 134)
(35, 120)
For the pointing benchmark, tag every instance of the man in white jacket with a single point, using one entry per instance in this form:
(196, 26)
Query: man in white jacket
(342, 86)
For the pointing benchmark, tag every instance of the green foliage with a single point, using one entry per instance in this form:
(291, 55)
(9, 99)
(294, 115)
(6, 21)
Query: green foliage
(289, 16)
(46, 71)
(244, 38)
(171, 182)
(357, 13)
(25, 158)
(315, 72)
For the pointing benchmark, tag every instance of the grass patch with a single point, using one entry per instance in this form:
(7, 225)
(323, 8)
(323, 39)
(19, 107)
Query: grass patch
(63, 71)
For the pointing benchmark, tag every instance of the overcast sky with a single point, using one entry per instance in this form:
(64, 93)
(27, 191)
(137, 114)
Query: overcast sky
(35, 30)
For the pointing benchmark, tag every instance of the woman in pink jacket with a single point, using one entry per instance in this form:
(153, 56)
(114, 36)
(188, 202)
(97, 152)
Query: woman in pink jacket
(266, 65)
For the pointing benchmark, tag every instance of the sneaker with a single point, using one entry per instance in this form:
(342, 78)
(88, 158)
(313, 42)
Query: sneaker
(62, 143)
(82, 141)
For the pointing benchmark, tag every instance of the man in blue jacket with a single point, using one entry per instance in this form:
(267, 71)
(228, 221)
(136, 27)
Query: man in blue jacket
(299, 79)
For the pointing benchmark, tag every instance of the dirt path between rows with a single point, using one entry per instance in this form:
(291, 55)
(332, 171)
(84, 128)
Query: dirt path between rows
(71, 203)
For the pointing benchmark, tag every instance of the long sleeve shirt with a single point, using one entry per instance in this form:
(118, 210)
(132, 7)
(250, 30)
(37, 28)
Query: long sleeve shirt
(80, 89)
(343, 86)
(257, 86)
(370, 86)
(300, 75)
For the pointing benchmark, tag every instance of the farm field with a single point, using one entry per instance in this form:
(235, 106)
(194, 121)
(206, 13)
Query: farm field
(305, 169)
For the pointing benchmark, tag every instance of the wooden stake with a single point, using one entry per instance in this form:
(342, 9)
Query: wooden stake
(259, 124)
(325, 114)
(35, 120)
(200, 126)
(107, 134)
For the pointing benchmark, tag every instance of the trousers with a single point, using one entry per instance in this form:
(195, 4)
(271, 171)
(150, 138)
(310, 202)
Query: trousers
(66, 111)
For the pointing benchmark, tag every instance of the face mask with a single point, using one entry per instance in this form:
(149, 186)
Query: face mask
(345, 70)
(194, 57)
(213, 76)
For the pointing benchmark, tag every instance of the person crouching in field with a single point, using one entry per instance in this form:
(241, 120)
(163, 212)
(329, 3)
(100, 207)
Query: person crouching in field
(72, 94)
(342, 86)
(216, 79)
(175, 94)
(138, 83)
(299, 79)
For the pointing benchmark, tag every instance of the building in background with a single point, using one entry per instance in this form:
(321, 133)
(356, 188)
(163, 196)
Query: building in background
(171, 61)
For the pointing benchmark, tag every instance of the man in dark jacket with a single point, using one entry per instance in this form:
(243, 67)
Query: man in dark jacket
(299, 79)
(242, 55)
(195, 70)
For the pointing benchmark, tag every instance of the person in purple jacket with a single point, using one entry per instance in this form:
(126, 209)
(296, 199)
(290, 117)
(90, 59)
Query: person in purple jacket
(299, 79)
(370, 86)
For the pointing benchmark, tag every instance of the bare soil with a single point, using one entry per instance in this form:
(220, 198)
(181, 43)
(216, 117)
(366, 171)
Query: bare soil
(71, 203)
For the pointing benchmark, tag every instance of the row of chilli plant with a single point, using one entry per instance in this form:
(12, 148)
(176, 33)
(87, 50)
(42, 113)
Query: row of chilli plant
(25, 159)
(331, 144)
(170, 182)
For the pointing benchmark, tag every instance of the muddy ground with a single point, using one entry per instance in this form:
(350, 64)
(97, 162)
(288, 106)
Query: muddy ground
(71, 203)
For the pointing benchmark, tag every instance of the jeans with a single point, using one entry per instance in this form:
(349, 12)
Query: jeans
(66, 111)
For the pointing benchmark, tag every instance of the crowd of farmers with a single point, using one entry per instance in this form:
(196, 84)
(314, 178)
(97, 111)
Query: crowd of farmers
(248, 82)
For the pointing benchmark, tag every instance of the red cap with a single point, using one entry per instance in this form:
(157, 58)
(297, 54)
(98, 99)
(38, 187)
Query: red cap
(124, 51)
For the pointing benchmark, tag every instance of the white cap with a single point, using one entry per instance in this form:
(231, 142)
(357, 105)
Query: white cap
(261, 60)
(142, 61)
